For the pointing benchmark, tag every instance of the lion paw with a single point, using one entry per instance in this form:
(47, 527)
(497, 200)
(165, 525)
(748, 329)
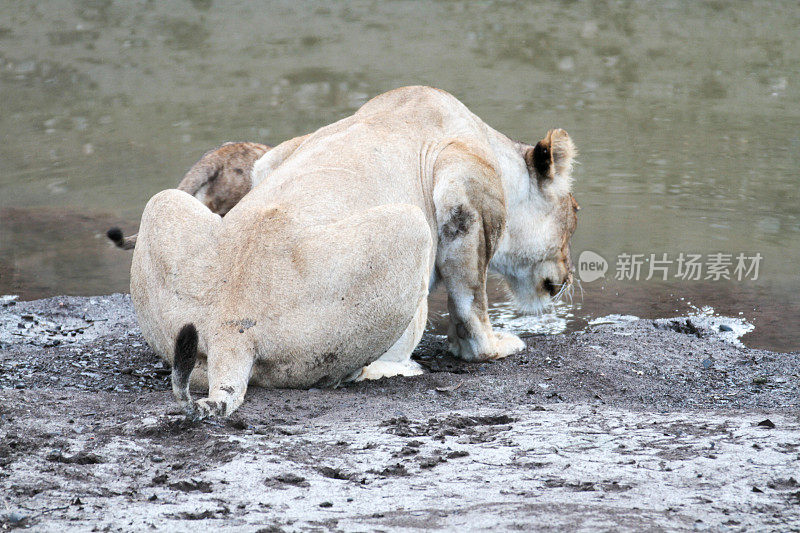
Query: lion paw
(206, 408)
(462, 349)
(387, 369)
(507, 344)
(504, 344)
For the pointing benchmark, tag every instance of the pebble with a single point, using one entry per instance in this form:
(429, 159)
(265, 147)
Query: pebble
(725, 327)
(15, 518)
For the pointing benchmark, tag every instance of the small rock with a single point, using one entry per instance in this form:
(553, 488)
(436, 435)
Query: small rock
(457, 454)
(193, 485)
(80, 458)
(783, 484)
(406, 451)
(326, 504)
(449, 388)
(767, 423)
(333, 473)
(16, 518)
(289, 479)
(725, 327)
(394, 470)
(430, 462)
(238, 423)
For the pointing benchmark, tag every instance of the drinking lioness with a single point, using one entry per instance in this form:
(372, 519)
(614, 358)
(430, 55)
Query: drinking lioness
(321, 273)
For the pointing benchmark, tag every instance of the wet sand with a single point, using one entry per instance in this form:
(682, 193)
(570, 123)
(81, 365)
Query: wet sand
(644, 425)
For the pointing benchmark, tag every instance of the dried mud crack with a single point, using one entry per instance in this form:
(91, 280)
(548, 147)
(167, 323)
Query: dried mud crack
(623, 427)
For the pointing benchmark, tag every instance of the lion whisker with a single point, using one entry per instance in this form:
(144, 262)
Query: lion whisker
(557, 297)
(580, 288)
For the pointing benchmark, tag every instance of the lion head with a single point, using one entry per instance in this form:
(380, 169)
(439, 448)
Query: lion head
(534, 254)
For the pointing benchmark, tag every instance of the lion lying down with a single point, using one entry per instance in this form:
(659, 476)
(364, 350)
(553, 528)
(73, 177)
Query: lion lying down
(219, 180)
(321, 273)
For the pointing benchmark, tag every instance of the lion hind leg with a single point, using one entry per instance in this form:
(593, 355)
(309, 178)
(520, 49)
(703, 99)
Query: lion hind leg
(230, 363)
(171, 267)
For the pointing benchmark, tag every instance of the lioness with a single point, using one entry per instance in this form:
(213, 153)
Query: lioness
(219, 180)
(324, 268)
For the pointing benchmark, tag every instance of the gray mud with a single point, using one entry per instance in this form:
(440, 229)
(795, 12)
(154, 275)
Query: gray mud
(642, 425)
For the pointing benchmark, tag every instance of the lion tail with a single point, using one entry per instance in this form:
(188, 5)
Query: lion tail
(116, 236)
(183, 363)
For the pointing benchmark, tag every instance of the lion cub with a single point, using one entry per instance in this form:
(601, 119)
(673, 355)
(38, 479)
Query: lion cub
(219, 180)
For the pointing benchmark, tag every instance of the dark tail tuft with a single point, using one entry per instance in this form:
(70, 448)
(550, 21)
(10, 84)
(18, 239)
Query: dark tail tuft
(115, 234)
(183, 363)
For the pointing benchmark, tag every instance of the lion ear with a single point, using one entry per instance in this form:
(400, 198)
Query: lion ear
(552, 156)
(563, 152)
(540, 160)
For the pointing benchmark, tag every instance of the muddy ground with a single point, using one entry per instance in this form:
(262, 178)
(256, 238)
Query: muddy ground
(643, 425)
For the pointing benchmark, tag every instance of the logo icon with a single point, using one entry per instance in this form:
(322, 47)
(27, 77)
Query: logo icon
(591, 266)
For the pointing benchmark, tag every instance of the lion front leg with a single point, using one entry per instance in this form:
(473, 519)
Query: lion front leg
(470, 218)
(470, 335)
(463, 268)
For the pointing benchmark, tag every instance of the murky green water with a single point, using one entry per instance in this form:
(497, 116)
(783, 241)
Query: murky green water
(686, 114)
